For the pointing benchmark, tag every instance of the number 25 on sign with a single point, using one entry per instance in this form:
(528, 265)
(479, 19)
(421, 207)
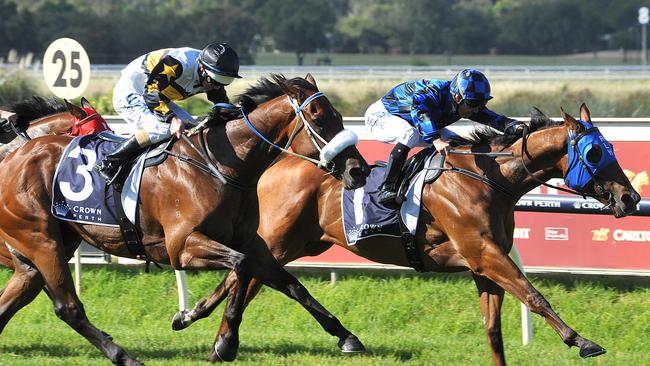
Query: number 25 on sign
(66, 68)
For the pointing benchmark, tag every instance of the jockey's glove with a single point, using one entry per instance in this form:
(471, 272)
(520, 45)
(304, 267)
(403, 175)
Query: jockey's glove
(515, 128)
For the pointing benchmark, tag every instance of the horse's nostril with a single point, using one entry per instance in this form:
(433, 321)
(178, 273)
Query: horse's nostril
(630, 200)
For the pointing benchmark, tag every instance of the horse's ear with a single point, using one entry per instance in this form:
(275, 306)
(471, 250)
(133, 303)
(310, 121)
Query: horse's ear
(584, 113)
(311, 80)
(86, 104)
(74, 110)
(573, 124)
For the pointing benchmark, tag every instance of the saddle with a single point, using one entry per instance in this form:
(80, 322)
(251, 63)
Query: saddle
(155, 153)
(413, 166)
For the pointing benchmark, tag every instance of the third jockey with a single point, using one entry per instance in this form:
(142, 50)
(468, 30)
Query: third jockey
(417, 111)
(144, 95)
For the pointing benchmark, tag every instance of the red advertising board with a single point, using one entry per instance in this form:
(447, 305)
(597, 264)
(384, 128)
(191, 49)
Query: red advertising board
(556, 240)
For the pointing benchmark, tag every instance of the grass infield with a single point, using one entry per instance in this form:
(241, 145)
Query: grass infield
(403, 319)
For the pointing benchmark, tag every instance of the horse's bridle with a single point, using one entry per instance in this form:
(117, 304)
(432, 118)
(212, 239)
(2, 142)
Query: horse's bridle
(572, 144)
(328, 151)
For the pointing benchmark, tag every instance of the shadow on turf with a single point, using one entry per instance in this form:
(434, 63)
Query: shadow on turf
(196, 352)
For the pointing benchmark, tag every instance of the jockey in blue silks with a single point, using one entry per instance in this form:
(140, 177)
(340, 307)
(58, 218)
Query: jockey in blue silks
(415, 113)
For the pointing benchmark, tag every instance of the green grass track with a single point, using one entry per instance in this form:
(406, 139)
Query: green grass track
(402, 318)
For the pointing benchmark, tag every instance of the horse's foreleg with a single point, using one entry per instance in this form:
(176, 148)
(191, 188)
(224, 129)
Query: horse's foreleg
(227, 340)
(267, 269)
(199, 251)
(205, 306)
(497, 266)
(491, 299)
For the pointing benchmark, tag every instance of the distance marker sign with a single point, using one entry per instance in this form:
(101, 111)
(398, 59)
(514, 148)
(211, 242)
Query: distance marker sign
(66, 68)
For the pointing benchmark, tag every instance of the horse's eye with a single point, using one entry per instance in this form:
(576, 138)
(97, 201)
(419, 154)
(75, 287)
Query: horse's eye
(318, 121)
(594, 154)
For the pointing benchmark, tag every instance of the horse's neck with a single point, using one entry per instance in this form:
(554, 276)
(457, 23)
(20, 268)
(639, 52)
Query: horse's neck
(246, 156)
(544, 153)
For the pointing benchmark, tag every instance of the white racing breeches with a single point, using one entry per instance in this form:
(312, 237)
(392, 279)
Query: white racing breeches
(148, 127)
(392, 129)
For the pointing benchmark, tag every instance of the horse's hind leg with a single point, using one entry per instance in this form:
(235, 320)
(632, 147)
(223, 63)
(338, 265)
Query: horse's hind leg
(490, 300)
(23, 287)
(498, 267)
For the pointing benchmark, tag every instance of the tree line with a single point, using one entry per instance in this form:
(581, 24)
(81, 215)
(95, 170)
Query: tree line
(117, 31)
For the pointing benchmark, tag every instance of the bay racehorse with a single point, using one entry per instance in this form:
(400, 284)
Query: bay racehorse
(464, 224)
(188, 218)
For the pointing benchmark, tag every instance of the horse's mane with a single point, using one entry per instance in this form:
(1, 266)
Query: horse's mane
(274, 86)
(487, 136)
(266, 89)
(36, 107)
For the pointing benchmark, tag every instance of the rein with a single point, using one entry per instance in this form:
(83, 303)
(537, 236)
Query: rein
(298, 109)
(525, 134)
(208, 166)
(328, 151)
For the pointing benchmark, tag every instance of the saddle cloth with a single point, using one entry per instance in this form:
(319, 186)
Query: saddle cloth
(80, 195)
(365, 217)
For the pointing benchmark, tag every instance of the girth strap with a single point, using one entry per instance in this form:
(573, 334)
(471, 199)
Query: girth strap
(413, 255)
(129, 230)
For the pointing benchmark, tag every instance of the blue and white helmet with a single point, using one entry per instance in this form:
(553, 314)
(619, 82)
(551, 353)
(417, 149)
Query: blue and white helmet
(471, 84)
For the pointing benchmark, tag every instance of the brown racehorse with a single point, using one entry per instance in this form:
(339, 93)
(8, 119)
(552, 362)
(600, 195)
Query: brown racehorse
(188, 218)
(464, 224)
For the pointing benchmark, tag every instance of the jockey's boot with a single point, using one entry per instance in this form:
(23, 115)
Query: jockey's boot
(393, 170)
(110, 166)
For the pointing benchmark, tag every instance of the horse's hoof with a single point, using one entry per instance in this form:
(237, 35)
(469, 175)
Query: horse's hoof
(214, 357)
(225, 351)
(178, 322)
(351, 344)
(591, 349)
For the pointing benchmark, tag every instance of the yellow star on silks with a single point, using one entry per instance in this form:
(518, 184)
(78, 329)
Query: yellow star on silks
(170, 71)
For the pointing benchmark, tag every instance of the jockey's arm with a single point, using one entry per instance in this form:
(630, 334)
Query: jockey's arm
(421, 114)
(497, 121)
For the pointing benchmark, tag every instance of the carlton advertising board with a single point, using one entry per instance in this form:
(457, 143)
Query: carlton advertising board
(562, 241)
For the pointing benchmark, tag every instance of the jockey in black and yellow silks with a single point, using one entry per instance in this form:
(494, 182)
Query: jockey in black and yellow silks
(145, 93)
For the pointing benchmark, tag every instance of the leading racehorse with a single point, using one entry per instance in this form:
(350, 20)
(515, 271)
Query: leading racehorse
(188, 218)
(464, 224)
